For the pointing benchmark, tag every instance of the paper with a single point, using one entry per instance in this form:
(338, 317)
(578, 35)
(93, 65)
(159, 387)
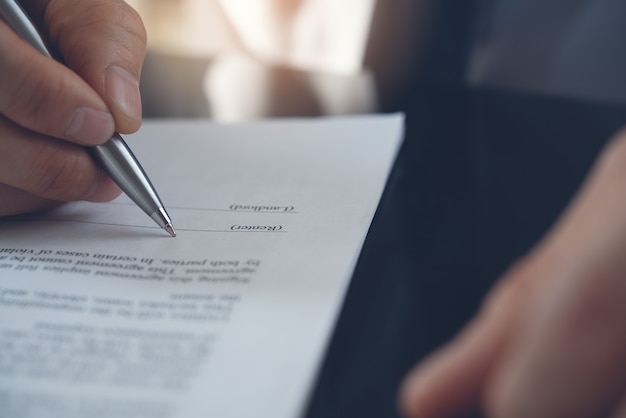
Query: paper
(102, 314)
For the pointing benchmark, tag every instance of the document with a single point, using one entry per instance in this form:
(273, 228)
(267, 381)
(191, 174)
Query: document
(104, 315)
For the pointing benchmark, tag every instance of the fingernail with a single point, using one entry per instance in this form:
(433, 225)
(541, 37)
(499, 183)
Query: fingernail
(90, 126)
(123, 89)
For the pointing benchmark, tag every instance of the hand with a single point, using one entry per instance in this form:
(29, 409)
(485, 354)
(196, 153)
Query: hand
(47, 110)
(550, 340)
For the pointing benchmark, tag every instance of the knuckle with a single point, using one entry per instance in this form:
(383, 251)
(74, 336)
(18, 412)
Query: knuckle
(120, 22)
(29, 101)
(134, 25)
(112, 21)
(62, 173)
(20, 98)
(129, 36)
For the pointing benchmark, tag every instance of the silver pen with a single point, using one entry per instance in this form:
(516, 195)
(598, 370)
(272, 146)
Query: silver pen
(114, 156)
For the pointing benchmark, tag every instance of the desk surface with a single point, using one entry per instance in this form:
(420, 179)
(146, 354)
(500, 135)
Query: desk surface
(480, 178)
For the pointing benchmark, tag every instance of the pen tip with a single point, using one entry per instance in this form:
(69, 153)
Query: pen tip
(170, 230)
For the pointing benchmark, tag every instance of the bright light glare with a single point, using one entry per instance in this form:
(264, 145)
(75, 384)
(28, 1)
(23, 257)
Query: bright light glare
(320, 35)
(186, 27)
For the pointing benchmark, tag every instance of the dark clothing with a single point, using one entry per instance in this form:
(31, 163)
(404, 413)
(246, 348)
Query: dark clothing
(570, 48)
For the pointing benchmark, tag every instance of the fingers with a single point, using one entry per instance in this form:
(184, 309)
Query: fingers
(41, 95)
(534, 351)
(96, 92)
(550, 341)
(104, 42)
(46, 169)
(569, 360)
(16, 201)
(450, 383)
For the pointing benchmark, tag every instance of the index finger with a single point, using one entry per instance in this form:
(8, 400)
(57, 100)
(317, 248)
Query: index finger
(104, 42)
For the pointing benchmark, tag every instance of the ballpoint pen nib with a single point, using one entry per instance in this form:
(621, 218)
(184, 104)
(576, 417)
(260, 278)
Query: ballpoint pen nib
(162, 219)
(170, 230)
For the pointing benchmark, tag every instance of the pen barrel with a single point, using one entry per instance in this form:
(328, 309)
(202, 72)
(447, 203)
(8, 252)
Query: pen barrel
(118, 161)
(114, 156)
(13, 15)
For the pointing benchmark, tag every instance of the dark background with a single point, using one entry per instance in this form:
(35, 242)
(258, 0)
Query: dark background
(481, 176)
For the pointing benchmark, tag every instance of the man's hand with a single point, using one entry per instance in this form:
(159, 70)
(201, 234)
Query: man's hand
(48, 111)
(550, 341)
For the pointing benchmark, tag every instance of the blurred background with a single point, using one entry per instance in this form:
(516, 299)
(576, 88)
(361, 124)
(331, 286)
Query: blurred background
(507, 103)
(235, 60)
(238, 60)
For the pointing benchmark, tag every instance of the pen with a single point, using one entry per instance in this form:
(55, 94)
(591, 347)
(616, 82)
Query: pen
(114, 156)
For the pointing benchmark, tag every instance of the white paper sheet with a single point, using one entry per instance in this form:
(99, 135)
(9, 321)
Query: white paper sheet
(102, 314)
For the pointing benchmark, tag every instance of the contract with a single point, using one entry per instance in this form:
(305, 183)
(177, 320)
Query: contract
(104, 315)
